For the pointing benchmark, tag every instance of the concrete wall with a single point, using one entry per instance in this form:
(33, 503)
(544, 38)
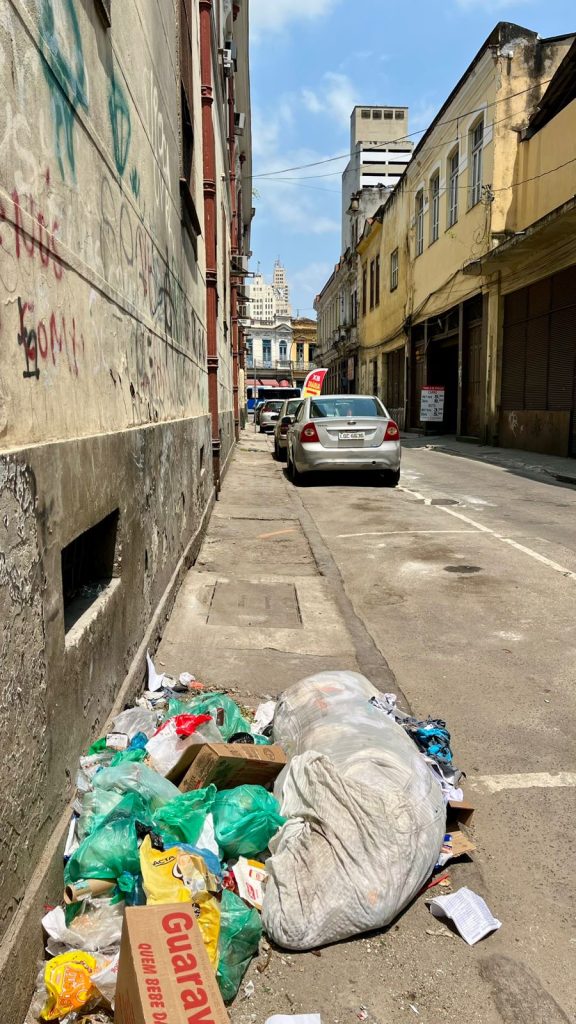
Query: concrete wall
(103, 393)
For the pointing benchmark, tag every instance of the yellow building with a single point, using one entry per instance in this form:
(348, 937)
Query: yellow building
(303, 348)
(423, 288)
(531, 279)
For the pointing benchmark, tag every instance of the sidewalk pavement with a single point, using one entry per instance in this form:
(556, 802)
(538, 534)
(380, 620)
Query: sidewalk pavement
(530, 464)
(265, 605)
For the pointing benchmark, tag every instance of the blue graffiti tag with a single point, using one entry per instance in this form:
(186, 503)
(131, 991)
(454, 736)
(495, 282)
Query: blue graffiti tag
(135, 182)
(66, 79)
(120, 123)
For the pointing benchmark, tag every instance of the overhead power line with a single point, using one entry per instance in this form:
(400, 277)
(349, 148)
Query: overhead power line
(405, 138)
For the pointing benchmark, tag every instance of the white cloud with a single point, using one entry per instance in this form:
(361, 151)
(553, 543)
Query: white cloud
(310, 280)
(336, 96)
(275, 15)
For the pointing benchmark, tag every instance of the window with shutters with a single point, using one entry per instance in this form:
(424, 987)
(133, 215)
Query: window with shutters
(420, 222)
(377, 281)
(394, 270)
(476, 146)
(434, 208)
(364, 287)
(187, 183)
(453, 183)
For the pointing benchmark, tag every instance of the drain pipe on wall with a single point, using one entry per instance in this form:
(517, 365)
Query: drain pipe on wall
(210, 229)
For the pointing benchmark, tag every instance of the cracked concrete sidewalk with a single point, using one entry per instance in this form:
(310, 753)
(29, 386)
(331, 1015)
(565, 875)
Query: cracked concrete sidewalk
(264, 604)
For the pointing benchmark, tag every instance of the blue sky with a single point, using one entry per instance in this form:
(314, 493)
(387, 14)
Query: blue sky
(311, 62)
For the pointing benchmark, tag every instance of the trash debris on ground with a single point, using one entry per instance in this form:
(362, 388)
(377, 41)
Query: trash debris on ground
(237, 765)
(455, 845)
(164, 972)
(366, 817)
(469, 913)
(197, 821)
(138, 844)
(250, 878)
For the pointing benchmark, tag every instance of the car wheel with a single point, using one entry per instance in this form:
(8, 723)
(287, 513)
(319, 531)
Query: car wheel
(276, 451)
(391, 478)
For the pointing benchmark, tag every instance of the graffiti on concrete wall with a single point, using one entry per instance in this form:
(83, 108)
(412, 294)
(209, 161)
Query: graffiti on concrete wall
(120, 124)
(65, 74)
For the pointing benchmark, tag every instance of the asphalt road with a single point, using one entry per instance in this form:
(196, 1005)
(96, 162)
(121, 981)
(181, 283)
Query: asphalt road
(465, 577)
(458, 590)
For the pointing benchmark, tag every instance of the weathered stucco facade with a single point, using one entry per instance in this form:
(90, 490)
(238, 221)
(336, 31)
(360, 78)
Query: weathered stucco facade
(114, 240)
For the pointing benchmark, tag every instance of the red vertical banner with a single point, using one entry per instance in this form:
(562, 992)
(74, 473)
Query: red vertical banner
(313, 383)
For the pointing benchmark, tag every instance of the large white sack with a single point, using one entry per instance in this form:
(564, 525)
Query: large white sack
(366, 815)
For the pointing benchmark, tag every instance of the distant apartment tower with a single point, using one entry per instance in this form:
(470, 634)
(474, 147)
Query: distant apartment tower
(268, 301)
(379, 154)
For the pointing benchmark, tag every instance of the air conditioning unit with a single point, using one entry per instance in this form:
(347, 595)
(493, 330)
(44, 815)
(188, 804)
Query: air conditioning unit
(229, 57)
(239, 264)
(239, 123)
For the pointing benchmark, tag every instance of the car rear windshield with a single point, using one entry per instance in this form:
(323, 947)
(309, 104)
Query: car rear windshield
(345, 407)
(293, 405)
(273, 406)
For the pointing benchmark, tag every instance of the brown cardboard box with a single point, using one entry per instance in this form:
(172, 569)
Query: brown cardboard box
(226, 765)
(459, 813)
(165, 976)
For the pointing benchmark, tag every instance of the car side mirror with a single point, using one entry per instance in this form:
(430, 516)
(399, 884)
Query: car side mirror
(287, 421)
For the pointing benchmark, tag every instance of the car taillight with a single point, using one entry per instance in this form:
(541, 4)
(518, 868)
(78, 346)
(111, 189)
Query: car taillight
(309, 434)
(392, 432)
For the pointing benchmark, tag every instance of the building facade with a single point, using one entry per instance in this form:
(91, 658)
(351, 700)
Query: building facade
(380, 150)
(436, 259)
(125, 206)
(266, 301)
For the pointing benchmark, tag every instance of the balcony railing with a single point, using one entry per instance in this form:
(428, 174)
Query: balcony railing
(281, 365)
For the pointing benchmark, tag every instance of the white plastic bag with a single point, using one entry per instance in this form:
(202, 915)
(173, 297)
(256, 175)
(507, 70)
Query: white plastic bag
(366, 818)
(98, 927)
(135, 720)
(166, 747)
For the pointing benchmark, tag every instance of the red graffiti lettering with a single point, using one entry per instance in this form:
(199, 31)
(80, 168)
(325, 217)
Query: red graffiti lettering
(41, 240)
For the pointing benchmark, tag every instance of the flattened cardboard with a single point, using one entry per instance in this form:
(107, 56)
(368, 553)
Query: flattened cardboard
(461, 845)
(165, 976)
(226, 765)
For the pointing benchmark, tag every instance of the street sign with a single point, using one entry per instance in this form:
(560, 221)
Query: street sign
(432, 405)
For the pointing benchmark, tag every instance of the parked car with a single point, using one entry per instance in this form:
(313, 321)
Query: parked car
(344, 432)
(286, 417)
(267, 414)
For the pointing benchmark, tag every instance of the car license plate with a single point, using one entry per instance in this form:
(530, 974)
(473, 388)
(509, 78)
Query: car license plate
(349, 435)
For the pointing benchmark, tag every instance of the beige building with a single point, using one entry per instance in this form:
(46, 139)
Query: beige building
(125, 206)
(424, 307)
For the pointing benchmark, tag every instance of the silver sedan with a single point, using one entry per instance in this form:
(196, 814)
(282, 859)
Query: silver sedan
(344, 432)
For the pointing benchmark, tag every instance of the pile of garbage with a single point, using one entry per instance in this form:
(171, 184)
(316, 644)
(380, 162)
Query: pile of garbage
(153, 826)
(175, 809)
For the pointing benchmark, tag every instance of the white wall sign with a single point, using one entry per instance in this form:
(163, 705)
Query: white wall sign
(432, 405)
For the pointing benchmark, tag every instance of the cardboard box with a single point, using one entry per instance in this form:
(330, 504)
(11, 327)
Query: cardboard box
(459, 813)
(165, 976)
(226, 765)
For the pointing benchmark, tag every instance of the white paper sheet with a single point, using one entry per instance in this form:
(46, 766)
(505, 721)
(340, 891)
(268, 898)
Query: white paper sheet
(469, 913)
(155, 681)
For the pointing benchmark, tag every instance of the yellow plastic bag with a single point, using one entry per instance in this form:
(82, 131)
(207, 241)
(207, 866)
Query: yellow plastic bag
(68, 983)
(178, 875)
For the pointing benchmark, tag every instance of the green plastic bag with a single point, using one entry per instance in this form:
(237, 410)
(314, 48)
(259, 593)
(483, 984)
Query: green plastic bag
(131, 777)
(245, 819)
(240, 934)
(133, 754)
(96, 806)
(208, 704)
(111, 850)
(183, 819)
